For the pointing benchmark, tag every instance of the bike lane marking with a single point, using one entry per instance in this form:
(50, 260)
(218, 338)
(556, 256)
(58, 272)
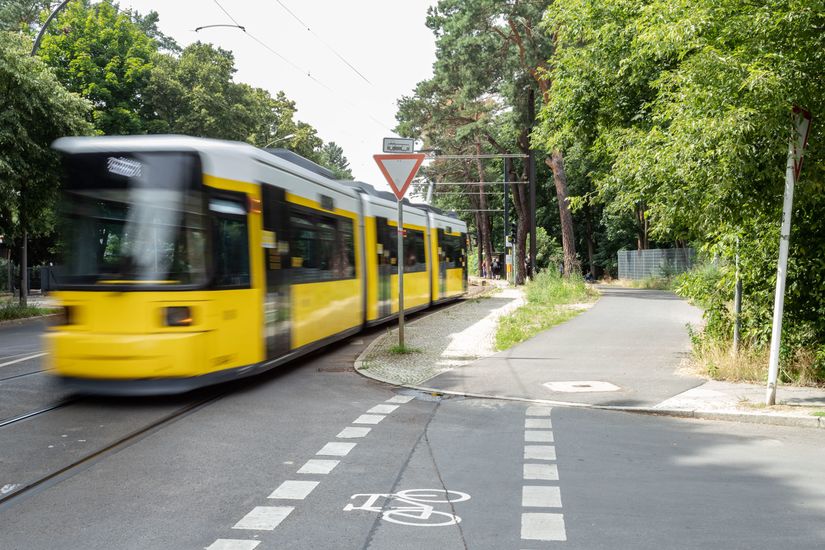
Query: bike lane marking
(294, 489)
(264, 518)
(267, 518)
(543, 526)
(335, 448)
(233, 544)
(351, 433)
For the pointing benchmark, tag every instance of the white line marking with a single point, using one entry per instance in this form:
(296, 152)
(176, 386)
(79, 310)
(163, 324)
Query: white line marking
(233, 544)
(294, 490)
(549, 472)
(351, 433)
(318, 466)
(542, 527)
(541, 496)
(35, 356)
(264, 518)
(382, 409)
(538, 423)
(369, 419)
(538, 410)
(538, 436)
(400, 399)
(539, 452)
(336, 448)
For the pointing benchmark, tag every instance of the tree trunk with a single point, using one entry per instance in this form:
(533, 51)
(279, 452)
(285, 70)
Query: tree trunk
(590, 243)
(568, 241)
(485, 216)
(520, 200)
(641, 218)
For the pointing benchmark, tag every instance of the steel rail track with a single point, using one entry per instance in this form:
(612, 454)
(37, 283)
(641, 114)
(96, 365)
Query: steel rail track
(74, 467)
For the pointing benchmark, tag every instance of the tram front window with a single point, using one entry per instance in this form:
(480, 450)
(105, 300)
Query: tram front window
(133, 219)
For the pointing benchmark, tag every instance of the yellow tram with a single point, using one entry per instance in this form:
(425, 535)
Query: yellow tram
(190, 262)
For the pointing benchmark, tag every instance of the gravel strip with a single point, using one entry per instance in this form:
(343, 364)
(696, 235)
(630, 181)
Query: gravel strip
(450, 338)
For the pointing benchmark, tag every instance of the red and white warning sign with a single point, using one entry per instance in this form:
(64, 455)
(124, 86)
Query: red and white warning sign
(399, 170)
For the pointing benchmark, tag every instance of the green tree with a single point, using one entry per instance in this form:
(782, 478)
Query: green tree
(35, 109)
(684, 107)
(103, 55)
(334, 159)
(17, 15)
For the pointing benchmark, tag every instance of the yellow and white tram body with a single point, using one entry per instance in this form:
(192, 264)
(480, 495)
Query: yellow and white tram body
(191, 261)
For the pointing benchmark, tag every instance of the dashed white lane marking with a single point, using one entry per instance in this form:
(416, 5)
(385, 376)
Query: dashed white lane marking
(294, 490)
(543, 526)
(369, 419)
(382, 409)
(400, 399)
(336, 448)
(542, 496)
(538, 410)
(318, 466)
(538, 436)
(538, 424)
(35, 356)
(233, 544)
(547, 472)
(539, 452)
(351, 433)
(264, 518)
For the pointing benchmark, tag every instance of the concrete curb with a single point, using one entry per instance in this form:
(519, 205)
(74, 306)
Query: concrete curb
(698, 414)
(26, 320)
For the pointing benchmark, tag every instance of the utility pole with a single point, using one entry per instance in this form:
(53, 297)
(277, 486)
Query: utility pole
(531, 177)
(507, 249)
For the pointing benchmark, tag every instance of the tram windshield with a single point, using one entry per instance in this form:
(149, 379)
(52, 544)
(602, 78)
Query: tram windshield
(132, 219)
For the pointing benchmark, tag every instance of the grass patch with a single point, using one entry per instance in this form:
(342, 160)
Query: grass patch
(548, 296)
(715, 359)
(649, 283)
(403, 350)
(11, 310)
(818, 413)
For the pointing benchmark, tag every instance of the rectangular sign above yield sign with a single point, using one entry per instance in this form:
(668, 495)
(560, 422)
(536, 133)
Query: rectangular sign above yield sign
(399, 145)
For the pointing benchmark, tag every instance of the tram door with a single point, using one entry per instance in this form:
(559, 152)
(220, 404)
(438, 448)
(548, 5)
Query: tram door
(442, 265)
(276, 265)
(386, 266)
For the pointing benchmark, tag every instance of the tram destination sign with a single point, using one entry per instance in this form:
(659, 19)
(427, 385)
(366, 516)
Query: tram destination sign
(399, 145)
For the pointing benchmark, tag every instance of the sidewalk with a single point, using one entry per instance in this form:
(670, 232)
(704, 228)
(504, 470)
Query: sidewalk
(623, 354)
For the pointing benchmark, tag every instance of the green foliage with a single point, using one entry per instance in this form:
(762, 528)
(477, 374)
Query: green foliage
(34, 111)
(548, 297)
(17, 15)
(103, 55)
(10, 311)
(549, 253)
(682, 109)
(403, 350)
(332, 156)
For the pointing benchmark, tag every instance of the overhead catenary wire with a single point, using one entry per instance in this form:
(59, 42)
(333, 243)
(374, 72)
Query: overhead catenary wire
(324, 42)
(299, 69)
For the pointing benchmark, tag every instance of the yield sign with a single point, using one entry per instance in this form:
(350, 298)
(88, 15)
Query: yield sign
(399, 170)
(802, 123)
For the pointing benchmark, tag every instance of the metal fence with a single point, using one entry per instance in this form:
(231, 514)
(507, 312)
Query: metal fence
(655, 262)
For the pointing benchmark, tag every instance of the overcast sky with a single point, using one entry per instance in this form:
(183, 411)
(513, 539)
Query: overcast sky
(384, 40)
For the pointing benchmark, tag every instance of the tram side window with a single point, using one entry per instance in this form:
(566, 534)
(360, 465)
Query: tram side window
(322, 248)
(452, 250)
(231, 244)
(414, 252)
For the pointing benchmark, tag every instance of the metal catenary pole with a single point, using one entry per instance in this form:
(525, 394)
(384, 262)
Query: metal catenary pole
(737, 305)
(507, 249)
(400, 274)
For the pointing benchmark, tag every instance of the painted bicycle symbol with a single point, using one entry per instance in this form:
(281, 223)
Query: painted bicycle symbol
(412, 506)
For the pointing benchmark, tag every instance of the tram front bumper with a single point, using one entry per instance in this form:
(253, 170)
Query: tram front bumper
(128, 356)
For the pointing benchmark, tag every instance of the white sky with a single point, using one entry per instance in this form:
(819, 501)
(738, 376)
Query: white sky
(386, 40)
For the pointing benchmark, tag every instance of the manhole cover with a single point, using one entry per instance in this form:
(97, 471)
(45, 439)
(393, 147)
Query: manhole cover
(578, 386)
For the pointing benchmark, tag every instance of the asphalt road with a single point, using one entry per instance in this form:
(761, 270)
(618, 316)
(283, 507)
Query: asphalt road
(286, 461)
(631, 339)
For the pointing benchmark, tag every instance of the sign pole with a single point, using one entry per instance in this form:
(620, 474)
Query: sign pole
(399, 170)
(401, 273)
(802, 120)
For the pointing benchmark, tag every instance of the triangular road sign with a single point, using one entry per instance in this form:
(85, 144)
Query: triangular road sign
(399, 170)
(802, 124)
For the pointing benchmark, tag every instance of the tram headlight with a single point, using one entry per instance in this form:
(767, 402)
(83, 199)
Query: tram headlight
(178, 316)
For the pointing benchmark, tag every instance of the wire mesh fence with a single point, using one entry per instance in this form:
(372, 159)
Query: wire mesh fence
(655, 262)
